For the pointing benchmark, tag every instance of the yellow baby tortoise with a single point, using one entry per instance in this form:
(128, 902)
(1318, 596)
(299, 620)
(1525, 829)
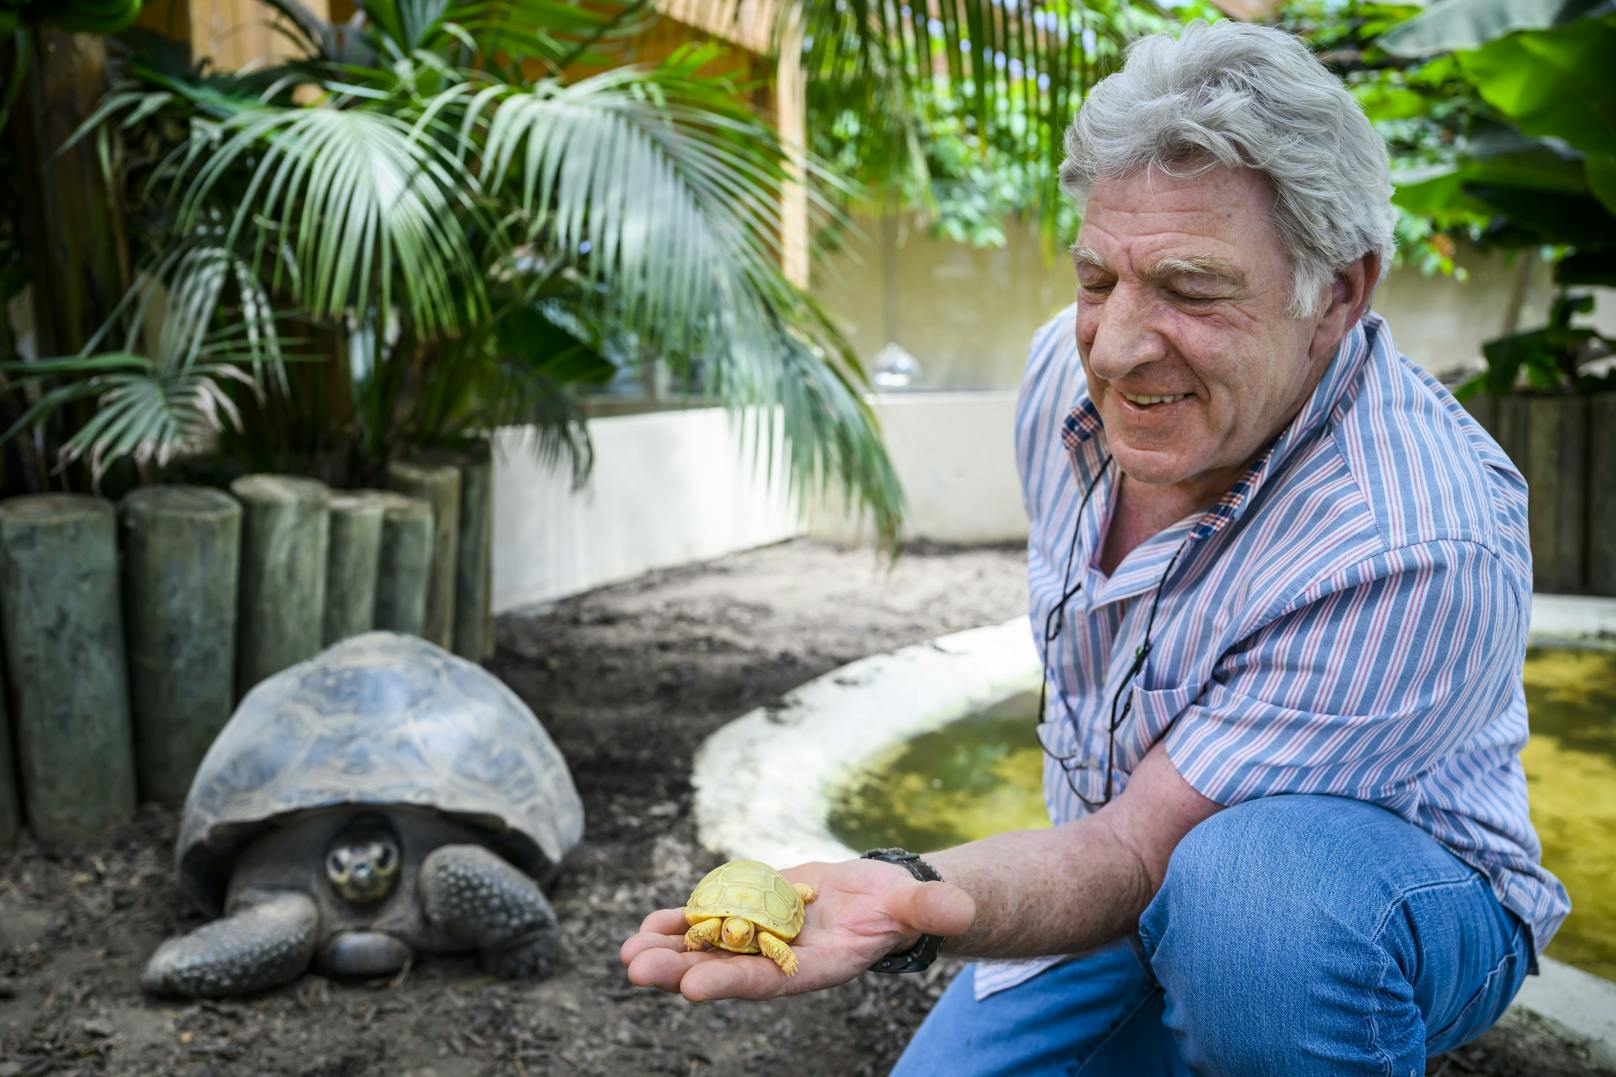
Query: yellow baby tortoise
(747, 907)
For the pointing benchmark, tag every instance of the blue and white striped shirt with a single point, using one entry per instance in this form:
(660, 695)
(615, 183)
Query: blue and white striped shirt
(1350, 619)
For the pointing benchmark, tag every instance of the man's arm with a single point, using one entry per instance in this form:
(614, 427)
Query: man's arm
(1079, 886)
(1065, 890)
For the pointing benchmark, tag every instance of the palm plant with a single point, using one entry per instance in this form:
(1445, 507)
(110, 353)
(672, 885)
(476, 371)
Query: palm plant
(464, 243)
(466, 233)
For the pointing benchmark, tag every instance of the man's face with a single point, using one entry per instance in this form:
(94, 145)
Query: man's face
(1182, 293)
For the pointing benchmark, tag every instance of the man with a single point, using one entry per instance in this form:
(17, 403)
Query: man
(1281, 582)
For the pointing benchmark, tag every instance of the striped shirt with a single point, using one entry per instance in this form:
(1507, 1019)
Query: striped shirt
(1349, 619)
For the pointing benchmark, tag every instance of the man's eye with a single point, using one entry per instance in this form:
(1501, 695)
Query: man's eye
(1192, 300)
(1097, 289)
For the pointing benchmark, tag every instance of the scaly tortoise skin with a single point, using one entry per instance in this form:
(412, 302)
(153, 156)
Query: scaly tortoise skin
(747, 907)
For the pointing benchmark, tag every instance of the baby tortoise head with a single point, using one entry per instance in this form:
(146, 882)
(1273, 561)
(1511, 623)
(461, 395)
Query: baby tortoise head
(362, 862)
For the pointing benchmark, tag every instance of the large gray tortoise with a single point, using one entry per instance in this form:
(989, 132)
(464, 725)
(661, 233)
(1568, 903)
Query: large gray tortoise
(382, 800)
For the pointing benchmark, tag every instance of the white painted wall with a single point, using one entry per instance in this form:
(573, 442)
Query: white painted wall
(955, 457)
(668, 488)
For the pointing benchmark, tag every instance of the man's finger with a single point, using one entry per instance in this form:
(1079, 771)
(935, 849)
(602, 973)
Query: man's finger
(734, 976)
(649, 940)
(663, 968)
(666, 922)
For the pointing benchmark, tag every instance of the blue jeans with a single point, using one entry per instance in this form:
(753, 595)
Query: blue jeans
(1293, 935)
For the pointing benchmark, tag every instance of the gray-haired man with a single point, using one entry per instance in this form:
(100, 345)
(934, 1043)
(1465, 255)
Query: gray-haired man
(1283, 638)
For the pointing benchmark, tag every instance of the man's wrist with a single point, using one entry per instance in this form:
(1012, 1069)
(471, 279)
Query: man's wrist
(918, 956)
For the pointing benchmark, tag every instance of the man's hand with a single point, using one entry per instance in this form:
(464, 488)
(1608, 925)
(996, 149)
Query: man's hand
(864, 911)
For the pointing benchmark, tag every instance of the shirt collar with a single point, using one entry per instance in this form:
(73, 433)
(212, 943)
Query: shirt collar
(1333, 394)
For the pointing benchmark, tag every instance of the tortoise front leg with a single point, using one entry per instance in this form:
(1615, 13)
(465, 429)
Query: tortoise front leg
(267, 943)
(775, 949)
(704, 934)
(480, 899)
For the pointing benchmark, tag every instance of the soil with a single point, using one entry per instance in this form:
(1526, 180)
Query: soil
(629, 680)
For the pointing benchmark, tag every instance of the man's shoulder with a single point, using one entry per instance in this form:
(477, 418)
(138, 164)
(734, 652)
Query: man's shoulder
(1425, 468)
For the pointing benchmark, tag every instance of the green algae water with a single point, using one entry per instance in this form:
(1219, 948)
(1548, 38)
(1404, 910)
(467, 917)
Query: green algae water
(1571, 780)
(981, 775)
(971, 778)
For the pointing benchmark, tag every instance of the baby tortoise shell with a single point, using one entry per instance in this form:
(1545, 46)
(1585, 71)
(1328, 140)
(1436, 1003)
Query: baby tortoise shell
(753, 891)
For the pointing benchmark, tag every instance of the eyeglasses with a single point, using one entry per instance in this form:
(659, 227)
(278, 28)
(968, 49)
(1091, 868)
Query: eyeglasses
(1122, 698)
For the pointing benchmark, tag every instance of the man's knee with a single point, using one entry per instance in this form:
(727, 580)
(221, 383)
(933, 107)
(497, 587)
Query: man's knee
(1248, 939)
(1233, 892)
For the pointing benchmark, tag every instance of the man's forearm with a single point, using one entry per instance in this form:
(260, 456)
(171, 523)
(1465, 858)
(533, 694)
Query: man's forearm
(1065, 890)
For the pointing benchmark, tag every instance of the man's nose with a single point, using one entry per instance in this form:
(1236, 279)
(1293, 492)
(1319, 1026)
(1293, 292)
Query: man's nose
(1126, 335)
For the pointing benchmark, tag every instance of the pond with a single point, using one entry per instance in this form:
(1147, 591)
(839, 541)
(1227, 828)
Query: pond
(981, 774)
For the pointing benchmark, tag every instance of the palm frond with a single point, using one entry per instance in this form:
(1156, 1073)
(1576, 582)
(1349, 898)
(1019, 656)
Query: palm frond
(668, 197)
(366, 207)
(1011, 74)
(194, 320)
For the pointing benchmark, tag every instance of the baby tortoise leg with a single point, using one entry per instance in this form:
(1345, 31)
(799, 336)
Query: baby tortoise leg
(705, 934)
(265, 944)
(777, 951)
(480, 899)
(804, 891)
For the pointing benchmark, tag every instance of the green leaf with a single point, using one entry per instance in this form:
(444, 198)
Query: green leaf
(1570, 219)
(1451, 25)
(1558, 82)
(1602, 178)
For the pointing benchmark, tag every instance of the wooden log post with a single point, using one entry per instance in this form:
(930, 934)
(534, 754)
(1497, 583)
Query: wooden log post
(439, 485)
(404, 563)
(182, 553)
(59, 606)
(285, 537)
(350, 587)
(1602, 494)
(474, 554)
(10, 796)
(1555, 448)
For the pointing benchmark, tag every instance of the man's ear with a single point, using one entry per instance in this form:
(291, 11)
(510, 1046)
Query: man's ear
(1348, 301)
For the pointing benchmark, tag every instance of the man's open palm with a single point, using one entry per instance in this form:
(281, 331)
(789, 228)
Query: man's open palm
(864, 911)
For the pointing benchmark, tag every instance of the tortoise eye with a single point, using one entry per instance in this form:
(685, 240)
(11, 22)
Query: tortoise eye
(384, 857)
(335, 865)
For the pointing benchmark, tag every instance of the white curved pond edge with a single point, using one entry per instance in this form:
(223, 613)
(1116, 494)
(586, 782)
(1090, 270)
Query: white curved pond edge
(764, 781)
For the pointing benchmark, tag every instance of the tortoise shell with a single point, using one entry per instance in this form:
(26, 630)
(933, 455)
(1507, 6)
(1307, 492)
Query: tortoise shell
(751, 890)
(380, 720)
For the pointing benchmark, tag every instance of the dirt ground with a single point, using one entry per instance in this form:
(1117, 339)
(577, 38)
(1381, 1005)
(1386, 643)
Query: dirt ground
(629, 680)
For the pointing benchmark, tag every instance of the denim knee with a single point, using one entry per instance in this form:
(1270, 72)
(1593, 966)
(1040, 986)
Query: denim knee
(1248, 939)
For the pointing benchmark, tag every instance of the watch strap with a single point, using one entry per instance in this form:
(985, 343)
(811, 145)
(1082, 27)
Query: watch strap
(919, 956)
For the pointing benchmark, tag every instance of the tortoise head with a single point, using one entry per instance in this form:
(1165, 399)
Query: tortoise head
(736, 933)
(362, 862)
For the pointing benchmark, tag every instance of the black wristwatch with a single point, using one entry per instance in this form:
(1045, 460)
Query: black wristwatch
(919, 956)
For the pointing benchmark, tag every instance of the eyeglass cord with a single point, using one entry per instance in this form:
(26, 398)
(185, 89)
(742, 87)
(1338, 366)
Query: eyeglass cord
(1054, 623)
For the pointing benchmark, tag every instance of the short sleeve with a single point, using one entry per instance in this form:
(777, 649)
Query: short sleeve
(1363, 683)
